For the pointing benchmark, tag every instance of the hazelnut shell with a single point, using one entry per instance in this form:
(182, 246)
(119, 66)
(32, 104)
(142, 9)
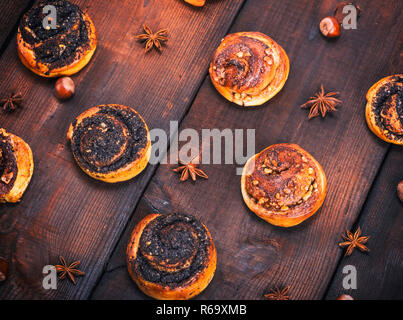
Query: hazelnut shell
(400, 190)
(64, 88)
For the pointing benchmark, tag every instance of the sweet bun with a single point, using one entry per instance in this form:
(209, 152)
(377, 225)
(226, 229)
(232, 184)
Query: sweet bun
(384, 109)
(196, 3)
(249, 68)
(56, 52)
(283, 184)
(110, 142)
(171, 257)
(16, 167)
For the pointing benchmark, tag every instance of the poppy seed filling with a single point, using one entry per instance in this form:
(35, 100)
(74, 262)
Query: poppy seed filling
(108, 140)
(388, 108)
(8, 165)
(172, 249)
(56, 47)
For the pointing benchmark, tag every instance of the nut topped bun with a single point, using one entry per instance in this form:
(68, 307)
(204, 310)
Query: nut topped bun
(249, 68)
(283, 184)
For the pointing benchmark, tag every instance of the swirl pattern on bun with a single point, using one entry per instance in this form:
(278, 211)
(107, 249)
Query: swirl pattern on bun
(110, 142)
(171, 256)
(283, 184)
(16, 166)
(62, 51)
(249, 68)
(384, 109)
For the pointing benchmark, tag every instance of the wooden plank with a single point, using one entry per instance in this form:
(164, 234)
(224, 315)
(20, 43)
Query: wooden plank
(253, 256)
(379, 273)
(10, 14)
(64, 212)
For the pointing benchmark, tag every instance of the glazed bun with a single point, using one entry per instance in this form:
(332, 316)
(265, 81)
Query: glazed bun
(283, 184)
(249, 68)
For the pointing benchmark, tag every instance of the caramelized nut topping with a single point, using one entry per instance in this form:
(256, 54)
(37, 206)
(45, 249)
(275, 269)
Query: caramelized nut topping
(285, 179)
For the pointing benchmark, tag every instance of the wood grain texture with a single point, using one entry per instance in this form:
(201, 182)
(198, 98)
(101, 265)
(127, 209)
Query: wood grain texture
(379, 273)
(10, 14)
(253, 256)
(64, 212)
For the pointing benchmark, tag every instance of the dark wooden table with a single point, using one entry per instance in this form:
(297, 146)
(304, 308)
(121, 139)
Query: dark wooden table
(66, 213)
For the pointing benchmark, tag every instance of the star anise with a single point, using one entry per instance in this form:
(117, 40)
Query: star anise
(321, 103)
(353, 241)
(69, 270)
(277, 294)
(190, 169)
(153, 39)
(11, 103)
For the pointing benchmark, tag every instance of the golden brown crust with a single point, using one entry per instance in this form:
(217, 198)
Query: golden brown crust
(130, 168)
(25, 167)
(283, 184)
(384, 109)
(196, 3)
(249, 68)
(81, 59)
(183, 291)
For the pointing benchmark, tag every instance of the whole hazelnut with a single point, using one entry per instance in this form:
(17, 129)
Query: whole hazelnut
(345, 297)
(330, 27)
(64, 88)
(3, 269)
(400, 190)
